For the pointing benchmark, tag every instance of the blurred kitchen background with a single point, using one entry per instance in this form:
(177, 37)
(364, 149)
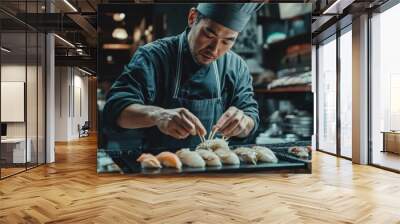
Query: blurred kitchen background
(276, 45)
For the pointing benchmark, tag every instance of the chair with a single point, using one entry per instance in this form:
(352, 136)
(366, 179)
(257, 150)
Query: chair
(84, 130)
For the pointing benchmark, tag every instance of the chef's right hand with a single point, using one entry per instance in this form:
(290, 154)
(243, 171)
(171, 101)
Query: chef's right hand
(179, 123)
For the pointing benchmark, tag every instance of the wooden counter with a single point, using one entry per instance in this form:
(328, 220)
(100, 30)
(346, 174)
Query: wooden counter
(391, 142)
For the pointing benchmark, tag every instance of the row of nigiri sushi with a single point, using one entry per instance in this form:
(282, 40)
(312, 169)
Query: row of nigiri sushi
(208, 157)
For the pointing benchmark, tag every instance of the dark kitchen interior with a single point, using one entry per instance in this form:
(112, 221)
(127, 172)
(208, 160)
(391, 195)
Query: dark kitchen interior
(276, 46)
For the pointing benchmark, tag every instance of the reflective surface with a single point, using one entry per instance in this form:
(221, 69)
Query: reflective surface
(327, 96)
(22, 65)
(385, 84)
(346, 94)
(15, 148)
(124, 161)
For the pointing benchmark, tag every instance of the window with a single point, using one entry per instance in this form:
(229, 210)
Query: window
(385, 87)
(22, 75)
(346, 93)
(327, 96)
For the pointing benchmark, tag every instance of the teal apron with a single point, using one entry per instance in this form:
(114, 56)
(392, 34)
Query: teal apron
(207, 111)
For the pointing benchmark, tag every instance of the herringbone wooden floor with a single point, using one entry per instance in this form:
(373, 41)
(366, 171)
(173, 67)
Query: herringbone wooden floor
(70, 191)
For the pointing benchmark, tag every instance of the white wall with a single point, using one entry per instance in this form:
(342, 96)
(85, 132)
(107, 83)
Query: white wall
(80, 110)
(71, 94)
(61, 103)
(10, 73)
(16, 73)
(13, 72)
(33, 126)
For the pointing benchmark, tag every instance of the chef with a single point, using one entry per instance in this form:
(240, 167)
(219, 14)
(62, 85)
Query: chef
(178, 88)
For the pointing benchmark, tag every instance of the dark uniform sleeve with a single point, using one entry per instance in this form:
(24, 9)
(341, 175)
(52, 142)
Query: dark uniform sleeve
(243, 96)
(136, 85)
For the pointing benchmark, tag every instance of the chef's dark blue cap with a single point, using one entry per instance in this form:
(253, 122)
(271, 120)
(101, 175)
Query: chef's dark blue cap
(233, 15)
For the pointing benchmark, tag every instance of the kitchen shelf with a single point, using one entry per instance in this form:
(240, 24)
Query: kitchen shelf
(286, 89)
(296, 39)
(266, 19)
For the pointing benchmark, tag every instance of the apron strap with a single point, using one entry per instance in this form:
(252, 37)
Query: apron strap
(178, 67)
(217, 79)
(178, 72)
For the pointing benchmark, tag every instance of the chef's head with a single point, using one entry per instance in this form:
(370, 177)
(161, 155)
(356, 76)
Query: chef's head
(214, 28)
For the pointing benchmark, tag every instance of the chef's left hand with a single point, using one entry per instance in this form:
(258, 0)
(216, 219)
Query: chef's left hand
(234, 123)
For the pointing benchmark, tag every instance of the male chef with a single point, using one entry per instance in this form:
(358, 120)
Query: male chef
(178, 88)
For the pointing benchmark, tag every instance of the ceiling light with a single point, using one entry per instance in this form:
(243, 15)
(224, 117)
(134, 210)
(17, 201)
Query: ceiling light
(118, 17)
(65, 41)
(5, 50)
(116, 46)
(109, 58)
(120, 33)
(84, 71)
(70, 5)
(337, 7)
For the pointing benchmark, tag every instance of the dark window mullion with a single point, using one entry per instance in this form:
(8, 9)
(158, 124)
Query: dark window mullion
(47, 5)
(26, 86)
(317, 97)
(338, 98)
(369, 78)
(37, 90)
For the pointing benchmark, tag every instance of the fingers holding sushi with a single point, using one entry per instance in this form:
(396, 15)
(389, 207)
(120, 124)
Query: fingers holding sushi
(213, 144)
(147, 160)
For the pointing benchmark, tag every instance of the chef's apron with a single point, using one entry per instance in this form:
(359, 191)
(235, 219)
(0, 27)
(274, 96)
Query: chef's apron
(207, 111)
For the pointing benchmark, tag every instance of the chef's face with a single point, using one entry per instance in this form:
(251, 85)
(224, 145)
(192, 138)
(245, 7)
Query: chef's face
(208, 40)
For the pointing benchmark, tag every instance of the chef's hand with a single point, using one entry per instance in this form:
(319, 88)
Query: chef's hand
(234, 123)
(179, 123)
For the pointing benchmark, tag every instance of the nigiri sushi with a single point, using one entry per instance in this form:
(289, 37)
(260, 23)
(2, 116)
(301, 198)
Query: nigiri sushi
(190, 158)
(147, 160)
(265, 154)
(169, 159)
(302, 152)
(247, 155)
(213, 144)
(227, 156)
(209, 157)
